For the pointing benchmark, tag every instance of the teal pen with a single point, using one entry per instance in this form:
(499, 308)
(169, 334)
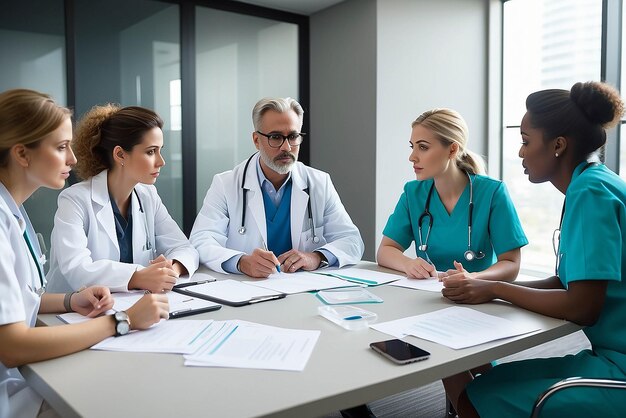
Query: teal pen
(265, 248)
(352, 318)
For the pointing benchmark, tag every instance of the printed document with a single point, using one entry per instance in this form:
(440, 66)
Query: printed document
(432, 284)
(254, 346)
(178, 336)
(299, 282)
(455, 327)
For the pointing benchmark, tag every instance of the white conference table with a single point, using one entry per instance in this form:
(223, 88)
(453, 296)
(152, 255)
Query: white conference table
(342, 371)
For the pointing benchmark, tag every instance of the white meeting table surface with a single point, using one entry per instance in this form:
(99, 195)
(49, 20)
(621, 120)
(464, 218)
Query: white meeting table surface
(342, 371)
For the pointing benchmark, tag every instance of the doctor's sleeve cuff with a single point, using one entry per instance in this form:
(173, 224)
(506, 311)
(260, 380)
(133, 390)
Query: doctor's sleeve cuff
(330, 257)
(230, 265)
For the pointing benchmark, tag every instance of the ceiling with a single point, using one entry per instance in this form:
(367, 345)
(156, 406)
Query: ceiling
(303, 7)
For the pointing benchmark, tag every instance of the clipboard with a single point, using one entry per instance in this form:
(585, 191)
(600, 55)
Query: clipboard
(229, 292)
(186, 305)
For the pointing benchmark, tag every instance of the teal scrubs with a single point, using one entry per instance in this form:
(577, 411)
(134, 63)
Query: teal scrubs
(496, 228)
(593, 247)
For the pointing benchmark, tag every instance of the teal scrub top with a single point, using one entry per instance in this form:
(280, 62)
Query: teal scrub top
(593, 247)
(496, 228)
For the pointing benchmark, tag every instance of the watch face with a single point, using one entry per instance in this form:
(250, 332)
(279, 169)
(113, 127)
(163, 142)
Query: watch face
(123, 327)
(122, 323)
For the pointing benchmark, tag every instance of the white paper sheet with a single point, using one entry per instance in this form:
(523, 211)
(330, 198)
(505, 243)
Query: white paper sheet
(247, 345)
(368, 277)
(178, 336)
(299, 282)
(455, 327)
(124, 300)
(431, 284)
(232, 290)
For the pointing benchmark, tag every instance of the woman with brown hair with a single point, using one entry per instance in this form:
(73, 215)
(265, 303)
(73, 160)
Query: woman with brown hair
(112, 228)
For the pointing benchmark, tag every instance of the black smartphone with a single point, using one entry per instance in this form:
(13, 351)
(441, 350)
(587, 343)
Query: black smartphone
(400, 352)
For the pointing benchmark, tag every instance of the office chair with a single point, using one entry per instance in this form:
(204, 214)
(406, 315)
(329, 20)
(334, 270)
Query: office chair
(574, 382)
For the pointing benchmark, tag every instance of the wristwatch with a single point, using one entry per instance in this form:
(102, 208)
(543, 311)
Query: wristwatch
(323, 262)
(122, 323)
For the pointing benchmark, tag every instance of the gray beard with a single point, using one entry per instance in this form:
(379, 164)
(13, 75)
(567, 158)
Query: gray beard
(279, 168)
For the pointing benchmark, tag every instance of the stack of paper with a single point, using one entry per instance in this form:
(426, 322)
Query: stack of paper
(211, 343)
(254, 346)
(455, 327)
(165, 337)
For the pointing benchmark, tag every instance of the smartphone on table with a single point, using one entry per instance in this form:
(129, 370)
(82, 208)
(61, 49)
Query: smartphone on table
(399, 351)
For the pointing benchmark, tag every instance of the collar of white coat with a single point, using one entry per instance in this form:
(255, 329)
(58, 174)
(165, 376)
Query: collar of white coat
(12, 206)
(100, 188)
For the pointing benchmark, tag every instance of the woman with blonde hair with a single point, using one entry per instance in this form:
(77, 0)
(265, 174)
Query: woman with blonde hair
(112, 228)
(463, 223)
(35, 151)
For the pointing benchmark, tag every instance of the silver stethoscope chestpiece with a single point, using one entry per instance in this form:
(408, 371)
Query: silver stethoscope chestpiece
(242, 230)
(469, 255)
(316, 239)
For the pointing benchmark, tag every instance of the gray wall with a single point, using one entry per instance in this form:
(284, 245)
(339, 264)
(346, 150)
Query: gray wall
(375, 66)
(343, 107)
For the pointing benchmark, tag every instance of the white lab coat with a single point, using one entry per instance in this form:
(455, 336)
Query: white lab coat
(19, 300)
(85, 250)
(215, 231)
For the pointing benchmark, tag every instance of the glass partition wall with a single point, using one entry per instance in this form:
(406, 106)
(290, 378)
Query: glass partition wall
(239, 59)
(131, 52)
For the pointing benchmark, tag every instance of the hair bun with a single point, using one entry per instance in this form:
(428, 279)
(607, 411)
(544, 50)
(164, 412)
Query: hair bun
(600, 103)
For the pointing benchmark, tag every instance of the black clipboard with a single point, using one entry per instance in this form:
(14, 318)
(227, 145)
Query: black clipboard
(196, 306)
(185, 290)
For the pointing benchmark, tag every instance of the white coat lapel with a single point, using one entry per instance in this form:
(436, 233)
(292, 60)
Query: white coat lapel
(299, 199)
(255, 198)
(103, 209)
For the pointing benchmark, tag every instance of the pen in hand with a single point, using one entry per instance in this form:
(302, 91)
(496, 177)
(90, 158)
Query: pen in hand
(277, 265)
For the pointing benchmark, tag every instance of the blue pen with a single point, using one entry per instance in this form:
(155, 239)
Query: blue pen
(352, 318)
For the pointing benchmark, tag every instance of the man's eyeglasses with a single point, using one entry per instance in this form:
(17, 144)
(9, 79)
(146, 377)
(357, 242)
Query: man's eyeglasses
(276, 140)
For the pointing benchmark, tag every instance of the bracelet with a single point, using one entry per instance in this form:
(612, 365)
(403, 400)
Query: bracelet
(67, 301)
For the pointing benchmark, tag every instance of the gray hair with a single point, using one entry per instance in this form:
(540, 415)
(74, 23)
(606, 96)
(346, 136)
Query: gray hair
(277, 104)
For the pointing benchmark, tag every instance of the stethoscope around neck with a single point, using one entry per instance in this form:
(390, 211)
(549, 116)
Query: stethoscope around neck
(470, 254)
(244, 192)
(147, 245)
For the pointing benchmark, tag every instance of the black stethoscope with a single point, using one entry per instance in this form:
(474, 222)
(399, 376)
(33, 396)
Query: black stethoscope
(469, 254)
(147, 245)
(244, 191)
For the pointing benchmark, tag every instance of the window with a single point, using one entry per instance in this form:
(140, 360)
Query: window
(547, 44)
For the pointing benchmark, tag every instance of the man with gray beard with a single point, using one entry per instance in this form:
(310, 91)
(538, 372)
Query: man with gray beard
(272, 213)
